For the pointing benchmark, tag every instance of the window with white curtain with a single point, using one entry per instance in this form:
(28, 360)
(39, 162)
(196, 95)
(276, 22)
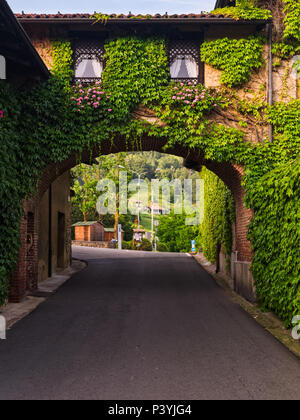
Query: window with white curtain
(88, 60)
(184, 57)
(89, 68)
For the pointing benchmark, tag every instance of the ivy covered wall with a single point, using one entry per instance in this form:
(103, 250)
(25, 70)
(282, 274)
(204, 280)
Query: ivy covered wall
(219, 216)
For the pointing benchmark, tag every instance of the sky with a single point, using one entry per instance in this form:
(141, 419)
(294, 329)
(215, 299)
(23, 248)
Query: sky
(112, 6)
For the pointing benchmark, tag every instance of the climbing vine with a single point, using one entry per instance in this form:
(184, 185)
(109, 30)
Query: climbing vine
(56, 119)
(216, 229)
(275, 236)
(235, 57)
(290, 42)
(244, 9)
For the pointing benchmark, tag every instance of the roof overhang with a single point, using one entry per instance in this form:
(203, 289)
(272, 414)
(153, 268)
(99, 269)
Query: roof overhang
(203, 18)
(22, 58)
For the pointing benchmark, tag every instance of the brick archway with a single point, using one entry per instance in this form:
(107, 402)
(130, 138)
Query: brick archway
(230, 174)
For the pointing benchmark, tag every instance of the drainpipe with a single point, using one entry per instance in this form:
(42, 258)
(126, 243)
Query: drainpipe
(50, 233)
(270, 76)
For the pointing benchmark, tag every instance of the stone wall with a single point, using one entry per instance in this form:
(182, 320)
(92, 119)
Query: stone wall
(60, 205)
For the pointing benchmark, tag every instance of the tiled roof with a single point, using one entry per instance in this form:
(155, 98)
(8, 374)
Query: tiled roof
(130, 17)
(84, 224)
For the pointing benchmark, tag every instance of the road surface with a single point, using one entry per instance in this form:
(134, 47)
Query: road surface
(143, 326)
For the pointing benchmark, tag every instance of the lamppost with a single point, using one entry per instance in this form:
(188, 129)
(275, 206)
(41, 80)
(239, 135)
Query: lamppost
(152, 214)
(138, 203)
(117, 215)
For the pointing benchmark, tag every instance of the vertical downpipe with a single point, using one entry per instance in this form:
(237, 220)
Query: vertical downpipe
(270, 76)
(50, 233)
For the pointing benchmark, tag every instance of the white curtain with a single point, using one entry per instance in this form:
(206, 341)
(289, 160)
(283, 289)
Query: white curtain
(89, 68)
(192, 67)
(175, 68)
(2, 67)
(184, 67)
(97, 67)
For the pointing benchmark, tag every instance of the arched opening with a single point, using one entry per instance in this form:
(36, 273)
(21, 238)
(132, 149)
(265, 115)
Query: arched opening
(230, 174)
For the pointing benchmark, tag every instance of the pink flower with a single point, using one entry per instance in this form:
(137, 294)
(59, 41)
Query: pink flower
(174, 97)
(109, 110)
(1, 114)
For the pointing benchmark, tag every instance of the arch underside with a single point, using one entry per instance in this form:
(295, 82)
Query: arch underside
(230, 174)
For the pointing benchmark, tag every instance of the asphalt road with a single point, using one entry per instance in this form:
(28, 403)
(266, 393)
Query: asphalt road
(143, 326)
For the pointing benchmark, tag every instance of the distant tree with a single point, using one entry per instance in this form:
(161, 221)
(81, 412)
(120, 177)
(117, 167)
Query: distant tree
(84, 187)
(175, 234)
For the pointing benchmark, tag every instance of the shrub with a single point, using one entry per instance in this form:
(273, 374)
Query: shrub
(145, 245)
(161, 247)
(127, 245)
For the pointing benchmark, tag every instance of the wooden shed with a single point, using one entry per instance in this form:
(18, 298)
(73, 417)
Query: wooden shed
(109, 234)
(89, 232)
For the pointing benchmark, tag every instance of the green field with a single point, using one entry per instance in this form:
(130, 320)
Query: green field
(146, 221)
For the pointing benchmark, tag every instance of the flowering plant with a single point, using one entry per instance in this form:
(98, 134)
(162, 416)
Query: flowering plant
(89, 98)
(194, 96)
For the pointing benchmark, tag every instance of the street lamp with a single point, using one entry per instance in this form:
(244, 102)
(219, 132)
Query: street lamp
(117, 216)
(138, 203)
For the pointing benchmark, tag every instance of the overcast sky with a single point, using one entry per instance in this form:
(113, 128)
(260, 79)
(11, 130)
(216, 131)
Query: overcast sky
(112, 6)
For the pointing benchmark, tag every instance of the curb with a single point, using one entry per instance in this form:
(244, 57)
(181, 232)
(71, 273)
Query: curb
(269, 321)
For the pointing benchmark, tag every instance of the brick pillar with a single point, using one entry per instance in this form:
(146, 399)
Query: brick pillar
(18, 279)
(25, 275)
(243, 217)
(32, 251)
